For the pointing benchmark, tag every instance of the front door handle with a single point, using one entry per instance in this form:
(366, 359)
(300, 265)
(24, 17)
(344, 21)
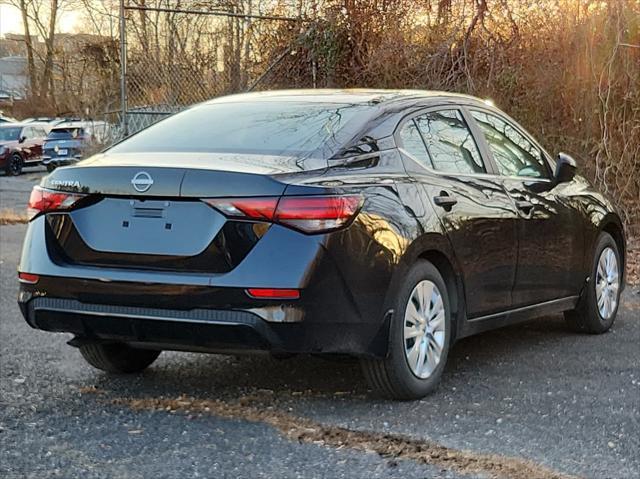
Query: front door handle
(524, 205)
(444, 200)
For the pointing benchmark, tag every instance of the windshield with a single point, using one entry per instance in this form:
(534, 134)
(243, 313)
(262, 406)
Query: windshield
(10, 133)
(65, 134)
(272, 128)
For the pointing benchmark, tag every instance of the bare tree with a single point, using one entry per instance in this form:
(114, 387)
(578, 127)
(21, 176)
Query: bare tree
(33, 75)
(40, 19)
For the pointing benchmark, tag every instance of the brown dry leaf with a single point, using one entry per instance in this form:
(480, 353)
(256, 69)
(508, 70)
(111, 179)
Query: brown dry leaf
(90, 390)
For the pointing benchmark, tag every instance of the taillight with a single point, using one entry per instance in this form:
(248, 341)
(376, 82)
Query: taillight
(273, 293)
(43, 200)
(317, 213)
(310, 214)
(254, 208)
(28, 278)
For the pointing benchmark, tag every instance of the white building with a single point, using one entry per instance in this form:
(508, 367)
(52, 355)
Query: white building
(14, 81)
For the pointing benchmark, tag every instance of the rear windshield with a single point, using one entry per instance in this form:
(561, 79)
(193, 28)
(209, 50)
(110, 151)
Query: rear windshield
(65, 133)
(267, 127)
(9, 133)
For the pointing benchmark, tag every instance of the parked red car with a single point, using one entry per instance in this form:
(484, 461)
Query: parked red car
(21, 145)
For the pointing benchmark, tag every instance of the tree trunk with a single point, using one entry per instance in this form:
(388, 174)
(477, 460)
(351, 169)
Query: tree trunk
(47, 73)
(33, 75)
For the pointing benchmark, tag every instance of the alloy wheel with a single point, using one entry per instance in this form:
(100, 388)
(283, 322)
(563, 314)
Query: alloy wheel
(607, 283)
(424, 329)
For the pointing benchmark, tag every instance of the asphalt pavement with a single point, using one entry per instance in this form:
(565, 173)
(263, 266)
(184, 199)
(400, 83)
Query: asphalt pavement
(533, 400)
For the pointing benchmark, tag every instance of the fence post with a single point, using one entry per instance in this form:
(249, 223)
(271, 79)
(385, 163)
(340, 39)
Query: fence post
(123, 71)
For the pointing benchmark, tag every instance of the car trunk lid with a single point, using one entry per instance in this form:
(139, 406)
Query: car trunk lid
(184, 175)
(148, 212)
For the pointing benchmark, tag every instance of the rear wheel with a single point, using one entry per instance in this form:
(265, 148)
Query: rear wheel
(118, 358)
(419, 338)
(598, 306)
(14, 165)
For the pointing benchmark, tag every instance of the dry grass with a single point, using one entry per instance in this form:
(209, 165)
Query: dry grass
(12, 217)
(252, 408)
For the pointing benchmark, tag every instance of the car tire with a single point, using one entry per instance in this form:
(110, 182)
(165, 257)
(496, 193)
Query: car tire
(118, 358)
(14, 165)
(597, 308)
(394, 377)
(50, 167)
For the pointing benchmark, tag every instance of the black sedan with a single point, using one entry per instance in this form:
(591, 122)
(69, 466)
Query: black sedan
(383, 225)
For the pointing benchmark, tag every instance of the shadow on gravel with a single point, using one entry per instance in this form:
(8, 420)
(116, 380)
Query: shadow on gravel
(225, 377)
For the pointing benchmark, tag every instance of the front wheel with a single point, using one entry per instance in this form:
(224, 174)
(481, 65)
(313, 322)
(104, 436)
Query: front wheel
(597, 309)
(51, 167)
(118, 358)
(419, 340)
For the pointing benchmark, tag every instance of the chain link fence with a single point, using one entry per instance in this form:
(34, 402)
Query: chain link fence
(175, 57)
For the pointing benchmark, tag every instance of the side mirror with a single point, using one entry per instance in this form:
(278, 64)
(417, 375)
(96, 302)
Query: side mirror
(21, 139)
(565, 168)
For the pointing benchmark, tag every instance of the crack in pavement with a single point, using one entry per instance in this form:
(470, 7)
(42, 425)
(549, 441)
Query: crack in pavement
(393, 446)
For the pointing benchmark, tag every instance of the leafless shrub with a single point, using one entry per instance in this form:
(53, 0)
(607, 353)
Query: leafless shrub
(570, 71)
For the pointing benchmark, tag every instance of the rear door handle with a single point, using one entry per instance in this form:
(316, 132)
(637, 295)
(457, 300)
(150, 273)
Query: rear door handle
(444, 200)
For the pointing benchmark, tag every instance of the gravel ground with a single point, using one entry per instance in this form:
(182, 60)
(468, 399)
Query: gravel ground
(14, 190)
(568, 402)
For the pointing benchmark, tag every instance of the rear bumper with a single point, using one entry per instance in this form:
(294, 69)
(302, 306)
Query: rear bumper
(200, 330)
(341, 277)
(60, 160)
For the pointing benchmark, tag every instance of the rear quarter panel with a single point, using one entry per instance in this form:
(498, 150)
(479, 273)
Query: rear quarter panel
(393, 228)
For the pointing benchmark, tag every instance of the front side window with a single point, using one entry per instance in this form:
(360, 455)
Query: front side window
(514, 154)
(449, 141)
(11, 133)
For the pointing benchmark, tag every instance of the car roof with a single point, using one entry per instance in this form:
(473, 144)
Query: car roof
(71, 124)
(79, 124)
(42, 119)
(358, 96)
(23, 124)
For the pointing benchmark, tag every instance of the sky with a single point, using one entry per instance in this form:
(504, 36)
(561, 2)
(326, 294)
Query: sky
(11, 21)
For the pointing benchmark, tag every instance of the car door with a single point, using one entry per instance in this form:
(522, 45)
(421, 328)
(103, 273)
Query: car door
(39, 135)
(474, 209)
(28, 146)
(550, 243)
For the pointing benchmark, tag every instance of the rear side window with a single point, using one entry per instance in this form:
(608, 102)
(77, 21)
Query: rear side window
(450, 144)
(413, 144)
(514, 154)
